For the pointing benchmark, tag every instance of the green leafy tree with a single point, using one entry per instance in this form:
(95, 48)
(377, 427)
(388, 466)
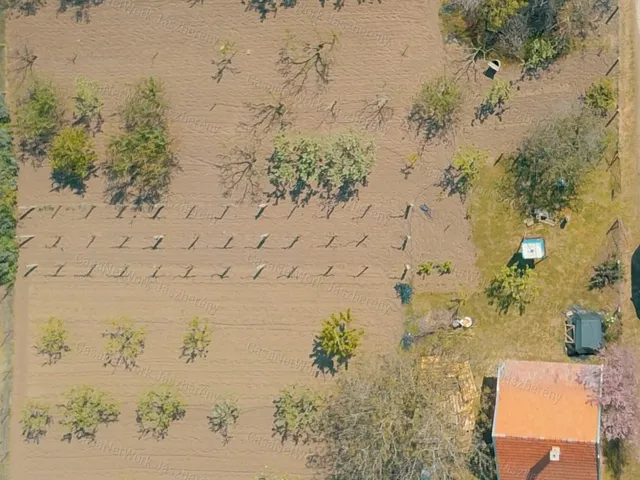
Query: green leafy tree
(124, 344)
(224, 416)
(84, 410)
(459, 177)
(347, 164)
(497, 12)
(494, 100)
(52, 342)
(550, 165)
(601, 96)
(196, 340)
(539, 54)
(140, 160)
(294, 167)
(72, 158)
(38, 117)
(35, 419)
(89, 103)
(607, 273)
(512, 286)
(336, 343)
(296, 415)
(157, 410)
(435, 106)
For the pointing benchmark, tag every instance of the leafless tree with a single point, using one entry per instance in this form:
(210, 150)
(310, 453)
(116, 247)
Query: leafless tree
(223, 64)
(25, 59)
(420, 435)
(468, 64)
(376, 112)
(297, 61)
(240, 171)
(267, 116)
(513, 37)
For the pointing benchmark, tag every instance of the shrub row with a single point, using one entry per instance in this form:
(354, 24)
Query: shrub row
(8, 191)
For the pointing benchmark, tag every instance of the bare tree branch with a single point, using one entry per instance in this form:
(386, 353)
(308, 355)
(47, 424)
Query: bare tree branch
(297, 62)
(239, 172)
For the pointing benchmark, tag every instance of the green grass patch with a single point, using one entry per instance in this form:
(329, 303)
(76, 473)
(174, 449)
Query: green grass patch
(562, 278)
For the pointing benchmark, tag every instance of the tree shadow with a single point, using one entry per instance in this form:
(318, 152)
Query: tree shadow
(481, 459)
(450, 184)
(522, 264)
(615, 457)
(81, 7)
(62, 181)
(321, 360)
(26, 7)
(120, 191)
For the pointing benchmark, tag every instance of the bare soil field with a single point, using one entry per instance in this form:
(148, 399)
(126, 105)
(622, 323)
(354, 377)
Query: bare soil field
(263, 325)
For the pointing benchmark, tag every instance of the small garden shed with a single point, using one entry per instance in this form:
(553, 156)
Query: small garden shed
(583, 332)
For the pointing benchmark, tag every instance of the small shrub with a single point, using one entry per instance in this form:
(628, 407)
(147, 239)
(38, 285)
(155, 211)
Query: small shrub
(224, 416)
(435, 107)
(601, 96)
(124, 344)
(84, 410)
(35, 419)
(445, 268)
(336, 343)
(606, 274)
(425, 269)
(72, 158)
(157, 410)
(512, 286)
(38, 117)
(296, 415)
(497, 12)
(405, 292)
(196, 340)
(52, 342)
(88, 102)
(539, 54)
(494, 100)
(146, 107)
(612, 327)
(459, 177)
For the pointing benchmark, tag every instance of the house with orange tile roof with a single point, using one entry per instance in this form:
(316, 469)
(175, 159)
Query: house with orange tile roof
(545, 426)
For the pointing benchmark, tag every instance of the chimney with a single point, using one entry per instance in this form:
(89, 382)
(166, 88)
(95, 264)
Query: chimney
(554, 454)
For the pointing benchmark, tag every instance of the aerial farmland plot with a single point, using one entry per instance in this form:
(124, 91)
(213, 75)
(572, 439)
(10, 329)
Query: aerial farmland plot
(262, 268)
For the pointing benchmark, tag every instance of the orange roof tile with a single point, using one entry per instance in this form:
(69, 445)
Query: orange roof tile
(520, 459)
(544, 400)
